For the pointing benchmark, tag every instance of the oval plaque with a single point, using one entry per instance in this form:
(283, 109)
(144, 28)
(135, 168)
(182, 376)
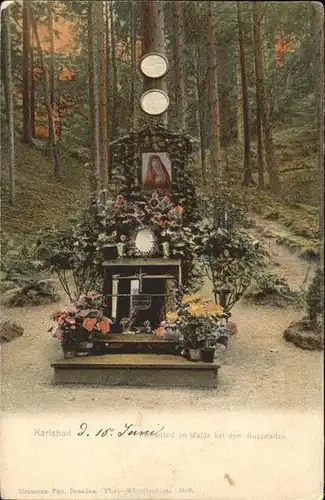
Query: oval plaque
(154, 65)
(154, 102)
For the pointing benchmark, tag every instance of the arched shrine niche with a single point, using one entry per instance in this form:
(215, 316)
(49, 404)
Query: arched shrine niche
(154, 159)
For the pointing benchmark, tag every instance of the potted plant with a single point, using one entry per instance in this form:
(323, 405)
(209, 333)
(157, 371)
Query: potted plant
(198, 319)
(78, 324)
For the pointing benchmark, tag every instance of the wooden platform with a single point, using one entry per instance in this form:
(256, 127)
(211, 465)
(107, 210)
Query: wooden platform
(157, 370)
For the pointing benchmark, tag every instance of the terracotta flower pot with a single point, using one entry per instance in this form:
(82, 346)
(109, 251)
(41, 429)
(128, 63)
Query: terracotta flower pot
(207, 354)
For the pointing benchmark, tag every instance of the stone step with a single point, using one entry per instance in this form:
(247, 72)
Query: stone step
(134, 343)
(156, 370)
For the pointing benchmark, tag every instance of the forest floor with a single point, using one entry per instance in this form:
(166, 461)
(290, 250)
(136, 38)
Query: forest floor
(258, 370)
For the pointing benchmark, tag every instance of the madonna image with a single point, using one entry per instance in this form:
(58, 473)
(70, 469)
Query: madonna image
(156, 171)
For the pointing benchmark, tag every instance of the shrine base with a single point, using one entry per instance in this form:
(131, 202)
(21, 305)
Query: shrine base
(155, 370)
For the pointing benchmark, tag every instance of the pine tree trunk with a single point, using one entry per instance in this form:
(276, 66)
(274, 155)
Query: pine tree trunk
(27, 124)
(103, 126)
(108, 72)
(9, 87)
(93, 65)
(3, 75)
(215, 149)
(179, 66)
(269, 146)
(240, 133)
(248, 177)
(259, 78)
(32, 86)
(201, 110)
(51, 124)
(114, 124)
(52, 63)
(154, 41)
(133, 38)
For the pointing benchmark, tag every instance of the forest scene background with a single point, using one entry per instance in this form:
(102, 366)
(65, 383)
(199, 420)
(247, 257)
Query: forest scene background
(245, 82)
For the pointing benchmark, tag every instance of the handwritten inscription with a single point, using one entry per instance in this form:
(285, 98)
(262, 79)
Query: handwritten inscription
(128, 430)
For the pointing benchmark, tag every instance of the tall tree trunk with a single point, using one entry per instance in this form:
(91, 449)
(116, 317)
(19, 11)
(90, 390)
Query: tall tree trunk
(133, 32)
(201, 108)
(51, 124)
(269, 147)
(259, 78)
(215, 149)
(248, 176)
(103, 126)
(52, 63)
(154, 41)
(27, 124)
(93, 97)
(32, 85)
(9, 87)
(240, 129)
(179, 66)
(114, 124)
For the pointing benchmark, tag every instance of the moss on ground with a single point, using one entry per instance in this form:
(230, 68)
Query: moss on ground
(41, 199)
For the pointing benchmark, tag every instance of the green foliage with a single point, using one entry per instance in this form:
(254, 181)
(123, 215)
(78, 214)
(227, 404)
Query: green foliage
(315, 296)
(18, 265)
(230, 256)
(35, 292)
(269, 289)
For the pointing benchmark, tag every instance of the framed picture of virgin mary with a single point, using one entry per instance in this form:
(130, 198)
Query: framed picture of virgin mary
(156, 171)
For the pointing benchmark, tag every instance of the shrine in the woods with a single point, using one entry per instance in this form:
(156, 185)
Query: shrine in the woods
(149, 331)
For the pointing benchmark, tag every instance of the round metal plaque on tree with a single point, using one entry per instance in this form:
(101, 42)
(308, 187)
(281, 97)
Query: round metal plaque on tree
(154, 102)
(154, 65)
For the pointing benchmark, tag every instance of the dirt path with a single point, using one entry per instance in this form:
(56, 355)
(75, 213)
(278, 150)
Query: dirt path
(259, 369)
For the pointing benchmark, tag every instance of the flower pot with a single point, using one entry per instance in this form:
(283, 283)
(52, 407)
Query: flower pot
(207, 354)
(223, 340)
(194, 354)
(69, 350)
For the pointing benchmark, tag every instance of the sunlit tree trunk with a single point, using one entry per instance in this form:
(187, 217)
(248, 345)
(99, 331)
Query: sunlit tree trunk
(93, 96)
(51, 40)
(27, 77)
(9, 88)
(32, 86)
(154, 41)
(248, 177)
(114, 111)
(47, 97)
(259, 77)
(215, 149)
(179, 66)
(103, 125)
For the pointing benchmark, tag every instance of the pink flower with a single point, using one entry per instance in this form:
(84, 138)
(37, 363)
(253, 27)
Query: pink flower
(120, 198)
(58, 333)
